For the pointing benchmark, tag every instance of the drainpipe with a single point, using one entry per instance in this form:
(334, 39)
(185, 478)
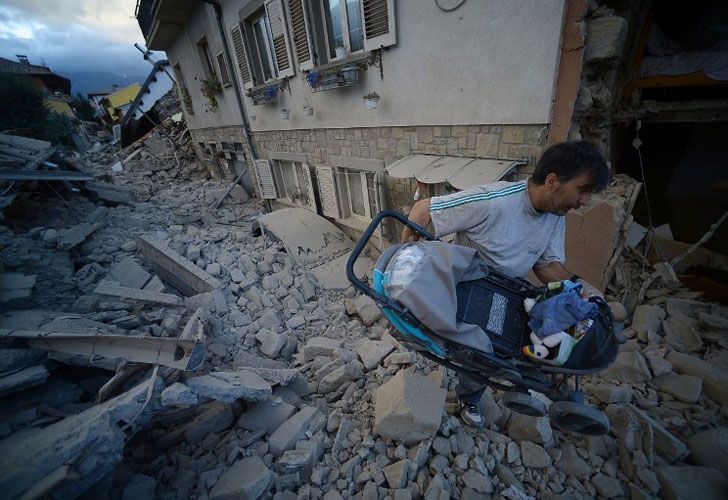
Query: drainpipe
(379, 196)
(238, 94)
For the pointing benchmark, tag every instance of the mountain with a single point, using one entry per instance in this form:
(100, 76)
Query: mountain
(87, 81)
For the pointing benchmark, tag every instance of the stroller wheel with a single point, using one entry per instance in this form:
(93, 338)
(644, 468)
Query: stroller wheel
(524, 403)
(578, 417)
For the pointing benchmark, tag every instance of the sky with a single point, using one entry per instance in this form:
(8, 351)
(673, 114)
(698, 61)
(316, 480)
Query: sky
(73, 35)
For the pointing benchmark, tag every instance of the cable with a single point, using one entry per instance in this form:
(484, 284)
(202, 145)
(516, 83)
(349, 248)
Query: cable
(449, 9)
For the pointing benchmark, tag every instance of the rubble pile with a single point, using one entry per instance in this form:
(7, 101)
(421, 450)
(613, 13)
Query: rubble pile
(300, 391)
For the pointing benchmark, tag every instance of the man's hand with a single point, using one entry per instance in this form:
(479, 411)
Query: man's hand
(555, 271)
(420, 214)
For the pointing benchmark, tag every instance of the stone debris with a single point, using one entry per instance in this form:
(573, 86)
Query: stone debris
(304, 391)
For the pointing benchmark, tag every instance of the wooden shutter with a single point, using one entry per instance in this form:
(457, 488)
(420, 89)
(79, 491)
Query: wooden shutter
(301, 33)
(242, 56)
(378, 21)
(274, 9)
(330, 206)
(308, 181)
(266, 183)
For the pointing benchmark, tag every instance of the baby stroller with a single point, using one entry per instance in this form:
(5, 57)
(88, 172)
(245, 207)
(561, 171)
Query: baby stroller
(505, 368)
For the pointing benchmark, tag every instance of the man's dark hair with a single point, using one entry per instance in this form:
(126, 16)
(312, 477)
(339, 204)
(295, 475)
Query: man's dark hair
(571, 159)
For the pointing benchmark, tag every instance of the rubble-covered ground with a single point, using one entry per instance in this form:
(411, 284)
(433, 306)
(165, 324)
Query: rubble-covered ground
(304, 392)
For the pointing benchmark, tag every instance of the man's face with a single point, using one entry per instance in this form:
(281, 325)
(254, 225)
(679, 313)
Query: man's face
(569, 195)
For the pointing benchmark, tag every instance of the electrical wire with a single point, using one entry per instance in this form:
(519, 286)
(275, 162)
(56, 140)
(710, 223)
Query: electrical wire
(449, 9)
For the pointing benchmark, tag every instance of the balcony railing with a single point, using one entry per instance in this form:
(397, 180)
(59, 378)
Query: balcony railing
(144, 13)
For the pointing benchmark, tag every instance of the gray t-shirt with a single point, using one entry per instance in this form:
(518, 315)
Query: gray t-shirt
(500, 222)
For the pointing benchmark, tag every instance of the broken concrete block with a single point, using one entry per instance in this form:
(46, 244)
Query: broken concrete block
(629, 366)
(605, 38)
(247, 360)
(178, 394)
(266, 415)
(134, 295)
(270, 343)
(228, 387)
(109, 192)
(680, 483)
(139, 487)
(715, 380)
(606, 486)
(16, 359)
(621, 416)
(248, 478)
(396, 473)
(175, 269)
(27, 377)
(367, 310)
(659, 365)
(320, 346)
(93, 441)
(154, 285)
(681, 335)
(608, 393)
(16, 281)
(75, 235)
(526, 428)
(217, 417)
(292, 430)
(409, 408)
(16, 299)
(129, 273)
(647, 318)
(371, 352)
(269, 319)
(534, 456)
(710, 448)
(684, 388)
(335, 379)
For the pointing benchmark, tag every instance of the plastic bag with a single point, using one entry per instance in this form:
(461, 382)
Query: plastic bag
(403, 267)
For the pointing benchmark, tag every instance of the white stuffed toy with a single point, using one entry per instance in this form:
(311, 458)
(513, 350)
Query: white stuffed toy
(554, 349)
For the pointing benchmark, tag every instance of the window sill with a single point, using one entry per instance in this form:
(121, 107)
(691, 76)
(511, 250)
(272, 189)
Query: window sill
(354, 223)
(351, 59)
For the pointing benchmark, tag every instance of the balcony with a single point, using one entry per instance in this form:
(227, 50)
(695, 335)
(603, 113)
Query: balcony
(161, 20)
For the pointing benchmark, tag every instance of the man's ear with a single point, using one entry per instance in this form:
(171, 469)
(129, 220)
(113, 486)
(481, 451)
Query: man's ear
(551, 180)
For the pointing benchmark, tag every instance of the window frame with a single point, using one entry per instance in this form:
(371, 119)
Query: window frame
(208, 65)
(344, 29)
(344, 174)
(277, 165)
(223, 70)
(256, 53)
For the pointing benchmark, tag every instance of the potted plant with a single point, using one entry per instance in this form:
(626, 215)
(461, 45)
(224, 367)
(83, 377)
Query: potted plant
(350, 73)
(284, 114)
(210, 87)
(371, 99)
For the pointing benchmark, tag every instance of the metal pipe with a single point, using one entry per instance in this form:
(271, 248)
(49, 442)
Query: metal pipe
(378, 202)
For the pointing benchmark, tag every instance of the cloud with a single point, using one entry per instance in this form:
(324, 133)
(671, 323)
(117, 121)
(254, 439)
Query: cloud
(84, 35)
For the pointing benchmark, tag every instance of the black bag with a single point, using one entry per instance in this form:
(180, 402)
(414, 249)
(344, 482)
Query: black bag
(599, 347)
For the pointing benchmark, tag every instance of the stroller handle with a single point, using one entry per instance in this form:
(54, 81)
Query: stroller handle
(361, 244)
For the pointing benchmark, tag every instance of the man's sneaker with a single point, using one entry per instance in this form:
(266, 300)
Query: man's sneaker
(471, 414)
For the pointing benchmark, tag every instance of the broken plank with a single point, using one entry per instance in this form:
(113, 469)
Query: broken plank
(134, 295)
(183, 354)
(174, 269)
(14, 174)
(50, 482)
(117, 380)
(76, 235)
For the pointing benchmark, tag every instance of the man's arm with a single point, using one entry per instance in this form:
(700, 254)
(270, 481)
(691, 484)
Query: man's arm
(420, 214)
(555, 271)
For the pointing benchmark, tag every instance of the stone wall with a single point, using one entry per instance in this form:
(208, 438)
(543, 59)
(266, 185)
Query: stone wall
(388, 144)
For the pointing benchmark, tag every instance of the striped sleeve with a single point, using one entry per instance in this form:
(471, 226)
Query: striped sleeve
(465, 209)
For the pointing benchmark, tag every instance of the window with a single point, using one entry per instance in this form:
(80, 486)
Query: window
(224, 75)
(290, 181)
(320, 26)
(358, 192)
(206, 58)
(263, 56)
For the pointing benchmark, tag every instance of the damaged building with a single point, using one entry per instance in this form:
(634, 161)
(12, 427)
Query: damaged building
(174, 319)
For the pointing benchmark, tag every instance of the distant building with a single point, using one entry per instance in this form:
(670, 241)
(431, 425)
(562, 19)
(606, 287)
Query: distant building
(116, 104)
(139, 118)
(42, 76)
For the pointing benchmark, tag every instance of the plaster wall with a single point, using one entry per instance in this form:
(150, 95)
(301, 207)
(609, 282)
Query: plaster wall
(489, 62)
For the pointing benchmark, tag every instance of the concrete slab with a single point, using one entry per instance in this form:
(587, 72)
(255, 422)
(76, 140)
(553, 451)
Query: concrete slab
(76, 235)
(315, 243)
(174, 269)
(133, 295)
(129, 273)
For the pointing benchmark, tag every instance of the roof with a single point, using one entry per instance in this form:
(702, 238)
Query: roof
(461, 172)
(158, 66)
(106, 91)
(9, 66)
(51, 80)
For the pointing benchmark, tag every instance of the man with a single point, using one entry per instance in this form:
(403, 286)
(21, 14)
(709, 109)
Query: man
(518, 226)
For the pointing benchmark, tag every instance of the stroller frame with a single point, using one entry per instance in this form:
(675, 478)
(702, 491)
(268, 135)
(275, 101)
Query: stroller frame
(513, 375)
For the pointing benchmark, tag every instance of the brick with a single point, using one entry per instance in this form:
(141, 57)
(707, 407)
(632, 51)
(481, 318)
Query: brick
(486, 145)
